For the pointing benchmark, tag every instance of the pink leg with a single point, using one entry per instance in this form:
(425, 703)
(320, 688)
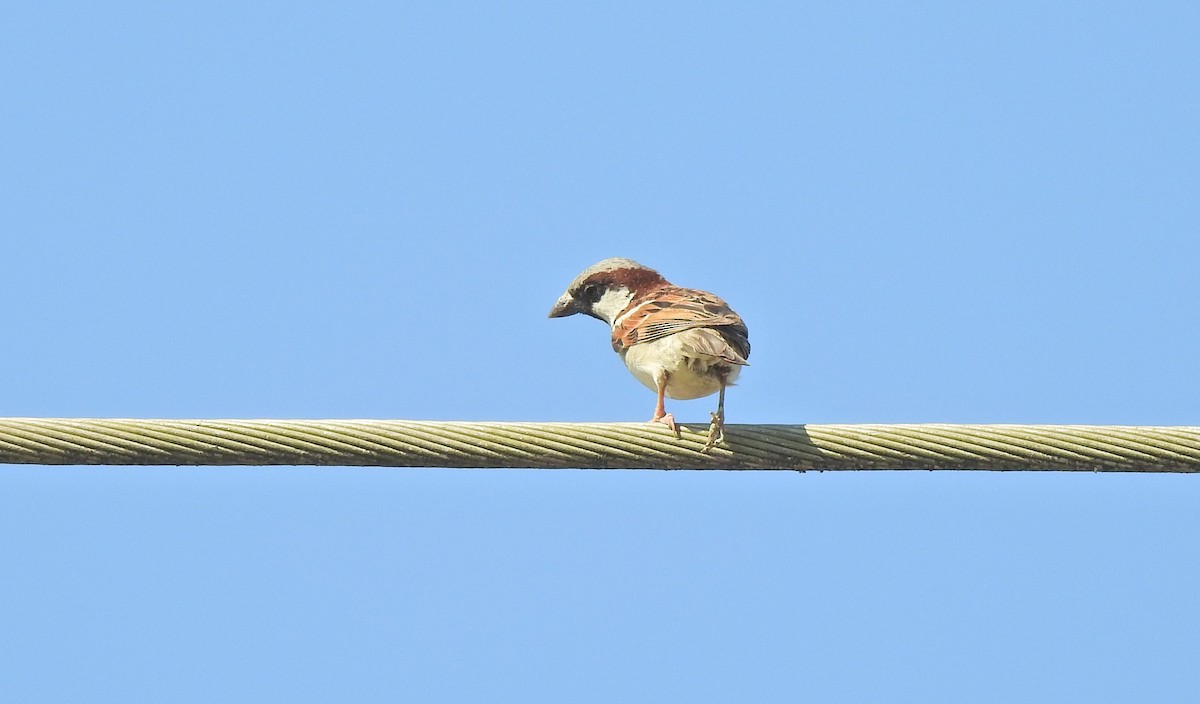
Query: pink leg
(660, 410)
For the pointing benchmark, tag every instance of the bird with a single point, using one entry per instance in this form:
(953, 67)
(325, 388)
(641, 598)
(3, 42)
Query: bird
(681, 343)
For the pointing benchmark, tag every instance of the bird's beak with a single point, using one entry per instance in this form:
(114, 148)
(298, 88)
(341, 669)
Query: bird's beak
(564, 306)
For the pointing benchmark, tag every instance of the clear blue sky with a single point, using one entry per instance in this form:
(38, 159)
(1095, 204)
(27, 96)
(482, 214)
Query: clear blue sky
(956, 212)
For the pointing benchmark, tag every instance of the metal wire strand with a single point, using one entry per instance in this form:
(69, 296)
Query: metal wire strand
(386, 443)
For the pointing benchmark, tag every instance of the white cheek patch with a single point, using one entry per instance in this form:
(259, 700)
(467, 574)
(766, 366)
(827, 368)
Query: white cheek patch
(612, 303)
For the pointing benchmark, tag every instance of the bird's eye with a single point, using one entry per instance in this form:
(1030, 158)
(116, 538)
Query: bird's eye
(592, 292)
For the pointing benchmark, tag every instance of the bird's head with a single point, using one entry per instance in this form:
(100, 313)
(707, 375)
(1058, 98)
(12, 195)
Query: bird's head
(605, 288)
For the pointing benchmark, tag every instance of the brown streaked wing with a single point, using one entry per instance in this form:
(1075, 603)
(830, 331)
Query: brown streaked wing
(673, 310)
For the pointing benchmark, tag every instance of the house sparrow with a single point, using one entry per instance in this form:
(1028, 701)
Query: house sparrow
(679, 342)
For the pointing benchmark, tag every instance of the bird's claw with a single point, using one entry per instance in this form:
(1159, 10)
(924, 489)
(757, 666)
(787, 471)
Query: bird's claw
(716, 431)
(669, 421)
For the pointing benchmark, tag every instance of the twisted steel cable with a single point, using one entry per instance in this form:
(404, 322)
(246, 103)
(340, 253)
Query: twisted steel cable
(387, 443)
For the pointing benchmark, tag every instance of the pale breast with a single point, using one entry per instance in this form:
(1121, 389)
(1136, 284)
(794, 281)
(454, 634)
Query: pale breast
(693, 373)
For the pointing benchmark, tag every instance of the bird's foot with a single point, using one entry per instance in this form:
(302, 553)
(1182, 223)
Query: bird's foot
(716, 431)
(668, 420)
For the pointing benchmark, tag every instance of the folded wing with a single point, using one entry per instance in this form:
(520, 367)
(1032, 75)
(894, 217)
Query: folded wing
(672, 310)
